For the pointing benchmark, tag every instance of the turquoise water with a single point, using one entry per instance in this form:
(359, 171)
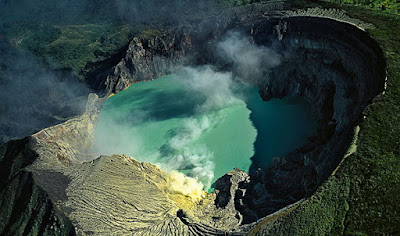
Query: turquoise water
(202, 129)
(282, 125)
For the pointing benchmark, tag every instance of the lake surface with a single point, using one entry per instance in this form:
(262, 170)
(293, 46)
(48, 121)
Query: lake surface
(203, 126)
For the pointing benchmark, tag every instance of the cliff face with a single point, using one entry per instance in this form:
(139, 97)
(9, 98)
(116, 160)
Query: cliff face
(147, 59)
(334, 66)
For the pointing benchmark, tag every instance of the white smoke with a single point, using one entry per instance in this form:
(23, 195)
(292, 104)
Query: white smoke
(250, 61)
(183, 151)
(217, 87)
(191, 130)
(117, 137)
(187, 155)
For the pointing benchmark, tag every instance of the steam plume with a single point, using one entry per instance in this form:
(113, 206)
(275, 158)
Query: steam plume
(32, 97)
(251, 62)
(216, 90)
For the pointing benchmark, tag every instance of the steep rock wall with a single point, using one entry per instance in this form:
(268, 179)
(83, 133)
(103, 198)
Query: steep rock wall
(339, 70)
(335, 66)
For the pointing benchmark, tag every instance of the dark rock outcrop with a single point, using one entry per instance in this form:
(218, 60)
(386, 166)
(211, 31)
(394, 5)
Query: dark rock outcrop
(228, 186)
(26, 208)
(147, 59)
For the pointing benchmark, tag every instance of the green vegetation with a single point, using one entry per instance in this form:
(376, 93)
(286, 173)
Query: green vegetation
(75, 47)
(241, 2)
(149, 33)
(391, 6)
(375, 167)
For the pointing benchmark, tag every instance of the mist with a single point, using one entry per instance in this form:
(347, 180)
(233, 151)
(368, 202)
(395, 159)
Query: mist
(206, 93)
(250, 62)
(102, 11)
(33, 97)
(165, 11)
(181, 150)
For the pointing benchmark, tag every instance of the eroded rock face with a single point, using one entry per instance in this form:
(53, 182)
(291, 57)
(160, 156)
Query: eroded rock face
(147, 59)
(335, 66)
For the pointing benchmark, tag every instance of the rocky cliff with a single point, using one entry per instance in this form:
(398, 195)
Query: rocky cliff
(334, 65)
(336, 68)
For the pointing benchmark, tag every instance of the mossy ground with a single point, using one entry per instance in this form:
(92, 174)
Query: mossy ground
(389, 6)
(74, 47)
(374, 170)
